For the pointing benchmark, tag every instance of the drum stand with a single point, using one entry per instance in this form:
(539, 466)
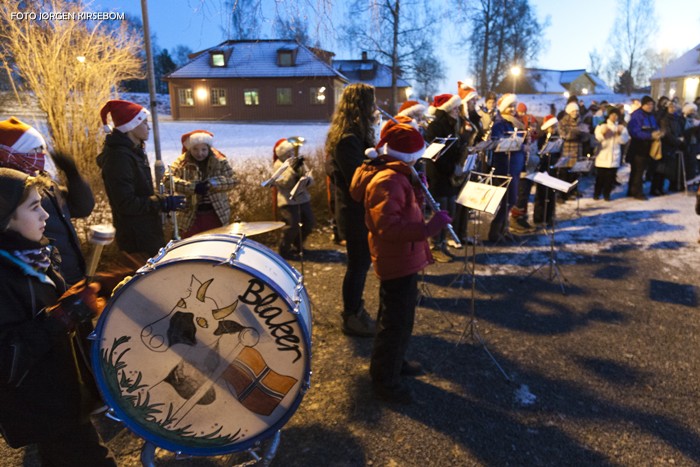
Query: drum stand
(554, 270)
(260, 455)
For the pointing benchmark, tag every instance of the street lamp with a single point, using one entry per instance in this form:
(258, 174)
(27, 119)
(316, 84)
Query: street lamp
(515, 71)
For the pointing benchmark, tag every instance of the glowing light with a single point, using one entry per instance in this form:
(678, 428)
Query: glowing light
(566, 94)
(202, 93)
(80, 58)
(584, 91)
(515, 71)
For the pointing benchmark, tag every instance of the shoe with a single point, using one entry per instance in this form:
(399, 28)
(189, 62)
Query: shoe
(398, 394)
(452, 244)
(596, 197)
(607, 198)
(289, 255)
(409, 368)
(440, 256)
(359, 325)
(520, 226)
(641, 197)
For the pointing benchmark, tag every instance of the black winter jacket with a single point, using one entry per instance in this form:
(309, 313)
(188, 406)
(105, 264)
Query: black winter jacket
(129, 185)
(40, 393)
(350, 215)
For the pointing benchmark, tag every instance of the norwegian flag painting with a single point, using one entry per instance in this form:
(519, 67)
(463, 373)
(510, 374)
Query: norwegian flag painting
(259, 388)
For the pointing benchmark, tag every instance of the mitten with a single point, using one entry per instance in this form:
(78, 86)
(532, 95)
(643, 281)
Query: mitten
(78, 305)
(201, 188)
(172, 203)
(64, 162)
(439, 220)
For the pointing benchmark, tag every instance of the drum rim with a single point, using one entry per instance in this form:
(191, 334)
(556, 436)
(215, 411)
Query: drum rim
(136, 428)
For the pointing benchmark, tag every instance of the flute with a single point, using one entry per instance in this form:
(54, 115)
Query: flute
(435, 206)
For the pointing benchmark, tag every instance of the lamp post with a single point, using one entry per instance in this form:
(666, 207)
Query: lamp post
(515, 71)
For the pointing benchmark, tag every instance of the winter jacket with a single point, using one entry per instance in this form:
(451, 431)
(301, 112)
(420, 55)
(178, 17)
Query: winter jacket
(286, 183)
(610, 154)
(640, 128)
(397, 232)
(219, 174)
(573, 137)
(440, 173)
(40, 392)
(503, 127)
(672, 127)
(129, 185)
(348, 156)
(62, 204)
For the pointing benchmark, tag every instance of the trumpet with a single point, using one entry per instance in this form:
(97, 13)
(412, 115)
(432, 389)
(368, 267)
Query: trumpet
(297, 142)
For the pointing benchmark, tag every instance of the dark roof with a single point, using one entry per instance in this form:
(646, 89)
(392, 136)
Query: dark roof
(256, 59)
(369, 72)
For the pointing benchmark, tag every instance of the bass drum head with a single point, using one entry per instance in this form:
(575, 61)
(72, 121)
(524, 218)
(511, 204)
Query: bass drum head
(202, 358)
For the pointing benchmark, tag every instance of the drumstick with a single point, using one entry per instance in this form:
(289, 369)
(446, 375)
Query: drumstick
(247, 338)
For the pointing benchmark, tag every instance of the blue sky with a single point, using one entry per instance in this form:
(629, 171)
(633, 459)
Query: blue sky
(576, 27)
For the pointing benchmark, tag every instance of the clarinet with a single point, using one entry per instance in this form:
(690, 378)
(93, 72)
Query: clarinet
(434, 205)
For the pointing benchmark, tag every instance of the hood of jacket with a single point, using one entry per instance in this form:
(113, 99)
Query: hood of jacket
(369, 169)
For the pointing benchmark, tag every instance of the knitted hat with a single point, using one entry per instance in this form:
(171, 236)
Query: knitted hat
(506, 101)
(412, 109)
(196, 137)
(398, 119)
(548, 121)
(402, 142)
(521, 107)
(282, 148)
(444, 102)
(571, 107)
(125, 115)
(17, 139)
(689, 109)
(12, 184)
(466, 93)
(646, 100)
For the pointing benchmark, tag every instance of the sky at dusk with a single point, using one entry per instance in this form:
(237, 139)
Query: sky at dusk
(575, 29)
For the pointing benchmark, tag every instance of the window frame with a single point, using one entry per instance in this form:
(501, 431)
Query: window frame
(247, 101)
(185, 97)
(279, 92)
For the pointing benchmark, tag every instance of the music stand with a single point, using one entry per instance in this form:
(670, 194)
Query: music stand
(482, 193)
(509, 145)
(557, 185)
(582, 166)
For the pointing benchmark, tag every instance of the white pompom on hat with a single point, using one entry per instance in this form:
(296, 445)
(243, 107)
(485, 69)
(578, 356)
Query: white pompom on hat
(571, 107)
(445, 102)
(20, 137)
(196, 137)
(689, 109)
(506, 101)
(125, 115)
(401, 142)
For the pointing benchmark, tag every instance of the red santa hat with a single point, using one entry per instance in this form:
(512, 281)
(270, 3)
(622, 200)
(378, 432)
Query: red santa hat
(196, 137)
(125, 115)
(571, 107)
(405, 119)
(402, 142)
(18, 137)
(444, 102)
(506, 101)
(465, 92)
(282, 148)
(412, 109)
(548, 121)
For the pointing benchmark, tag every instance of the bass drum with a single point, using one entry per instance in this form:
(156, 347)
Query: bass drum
(207, 349)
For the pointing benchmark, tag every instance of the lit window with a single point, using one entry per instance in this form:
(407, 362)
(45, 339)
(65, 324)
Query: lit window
(217, 59)
(317, 95)
(284, 96)
(218, 96)
(185, 97)
(251, 97)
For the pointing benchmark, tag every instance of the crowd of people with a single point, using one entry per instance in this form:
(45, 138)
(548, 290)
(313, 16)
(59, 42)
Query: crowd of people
(379, 186)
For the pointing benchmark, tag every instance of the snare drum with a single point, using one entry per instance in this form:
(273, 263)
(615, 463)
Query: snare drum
(207, 350)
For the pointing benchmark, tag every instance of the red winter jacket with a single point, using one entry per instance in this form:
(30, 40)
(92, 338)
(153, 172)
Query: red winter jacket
(397, 233)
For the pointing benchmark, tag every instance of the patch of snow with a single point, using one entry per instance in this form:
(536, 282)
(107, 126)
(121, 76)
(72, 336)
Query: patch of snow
(523, 396)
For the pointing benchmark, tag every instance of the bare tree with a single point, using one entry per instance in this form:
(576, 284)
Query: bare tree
(595, 62)
(397, 32)
(502, 33)
(630, 37)
(244, 19)
(71, 68)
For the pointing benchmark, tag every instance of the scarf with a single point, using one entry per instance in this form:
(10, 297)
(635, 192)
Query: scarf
(27, 163)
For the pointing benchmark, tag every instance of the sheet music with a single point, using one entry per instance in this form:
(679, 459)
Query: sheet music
(470, 163)
(562, 162)
(510, 144)
(584, 165)
(552, 147)
(303, 182)
(434, 151)
(482, 194)
(543, 178)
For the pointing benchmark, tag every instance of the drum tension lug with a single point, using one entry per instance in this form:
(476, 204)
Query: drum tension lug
(151, 263)
(232, 259)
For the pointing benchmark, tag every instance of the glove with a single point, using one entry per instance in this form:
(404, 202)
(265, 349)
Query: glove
(201, 188)
(64, 162)
(439, 220)
(172, 203)
(78, 305)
